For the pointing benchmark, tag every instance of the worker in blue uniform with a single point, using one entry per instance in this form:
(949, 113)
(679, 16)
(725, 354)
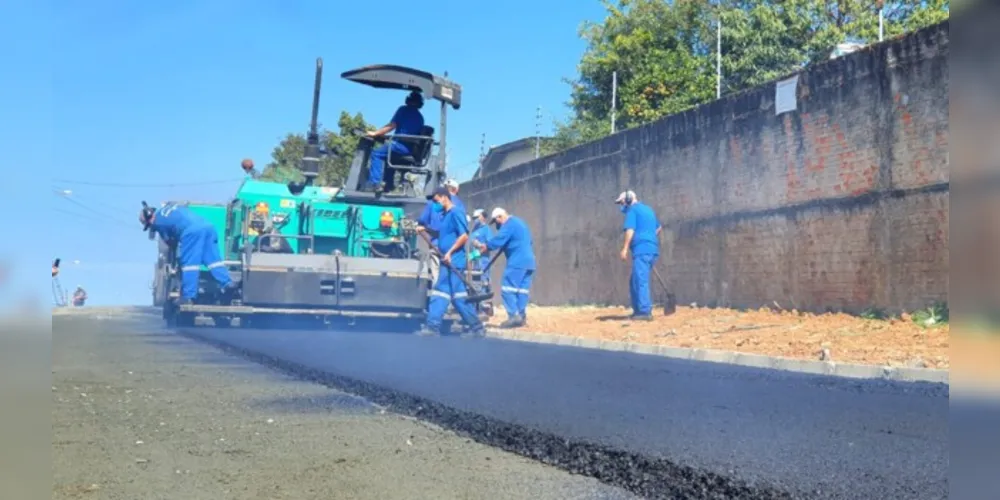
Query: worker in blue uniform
(198, 245)
(430, 219)
(452, 186)
(449, 288)
(406, 121)
(514, 237)
(480, 235)
(642, 231)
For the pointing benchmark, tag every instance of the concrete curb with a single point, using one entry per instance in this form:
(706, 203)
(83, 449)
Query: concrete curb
(847, 370)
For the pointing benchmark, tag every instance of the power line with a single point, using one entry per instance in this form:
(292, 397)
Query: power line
(92, 218)
(151, 185)
(98, 213)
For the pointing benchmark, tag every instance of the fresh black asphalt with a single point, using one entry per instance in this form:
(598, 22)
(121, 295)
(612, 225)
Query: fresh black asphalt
(660, 427)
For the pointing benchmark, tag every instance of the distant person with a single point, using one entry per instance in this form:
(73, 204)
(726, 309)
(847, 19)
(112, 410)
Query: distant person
(199, 245)
(79, 296)
(407, 121)
(248, 169)
(480, 235)
(452, 186)
(514, 238)
(642, 231)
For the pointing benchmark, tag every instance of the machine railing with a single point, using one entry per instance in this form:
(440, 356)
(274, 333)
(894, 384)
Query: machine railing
(307, 237)
(420, 149)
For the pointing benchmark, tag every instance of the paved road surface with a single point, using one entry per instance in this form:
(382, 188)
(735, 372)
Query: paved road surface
(139, 414)
(807, 436)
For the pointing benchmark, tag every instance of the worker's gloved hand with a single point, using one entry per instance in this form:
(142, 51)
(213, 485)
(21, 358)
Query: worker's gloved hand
(474, 254)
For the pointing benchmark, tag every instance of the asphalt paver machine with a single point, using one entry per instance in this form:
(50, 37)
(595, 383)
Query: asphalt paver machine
(340, 256)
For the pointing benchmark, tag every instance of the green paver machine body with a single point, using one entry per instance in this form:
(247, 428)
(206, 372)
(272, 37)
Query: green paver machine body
(322, 252)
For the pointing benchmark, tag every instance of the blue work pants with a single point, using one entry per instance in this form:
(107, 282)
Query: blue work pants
(481, 263)
(642, 269)
(379, 157)
(199, 246)
(515, 288)
(449, 289)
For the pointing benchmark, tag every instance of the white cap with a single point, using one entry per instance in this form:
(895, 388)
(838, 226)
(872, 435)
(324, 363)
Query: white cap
(477, 212)
(452, 183)
(497, 212)
(625, 194)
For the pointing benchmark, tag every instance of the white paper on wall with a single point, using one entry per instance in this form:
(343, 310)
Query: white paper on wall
(785, 95)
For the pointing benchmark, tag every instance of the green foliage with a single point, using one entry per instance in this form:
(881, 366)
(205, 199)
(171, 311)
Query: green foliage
(664, 52)
(935, 315)
(876, 313)
(285, 158)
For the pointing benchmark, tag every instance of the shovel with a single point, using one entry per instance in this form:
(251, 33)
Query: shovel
(670, 306)
(474, 297)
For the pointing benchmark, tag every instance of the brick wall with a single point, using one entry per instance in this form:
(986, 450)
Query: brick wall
(839, 204)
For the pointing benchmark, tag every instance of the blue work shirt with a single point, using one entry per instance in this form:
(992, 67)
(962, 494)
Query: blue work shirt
(408, 120)
(455, 200)
(515, 235)
(641, 219)
(430, 218)
(453, 226)
(481, 233)
(173, 219)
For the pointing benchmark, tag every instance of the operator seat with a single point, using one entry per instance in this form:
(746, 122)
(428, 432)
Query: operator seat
(421, 149)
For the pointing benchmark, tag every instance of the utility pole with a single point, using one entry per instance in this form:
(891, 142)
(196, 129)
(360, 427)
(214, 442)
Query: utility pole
(538, 132)
(881, 20)
(482, 155)
(614, 99)
(718, 56)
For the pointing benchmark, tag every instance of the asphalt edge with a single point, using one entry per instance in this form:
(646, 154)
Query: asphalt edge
(829, 368)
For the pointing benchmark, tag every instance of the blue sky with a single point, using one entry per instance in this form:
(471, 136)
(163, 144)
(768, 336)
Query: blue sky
(167, 93)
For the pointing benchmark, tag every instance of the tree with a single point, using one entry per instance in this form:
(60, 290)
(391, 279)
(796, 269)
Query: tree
(285, 158)
(664, 52)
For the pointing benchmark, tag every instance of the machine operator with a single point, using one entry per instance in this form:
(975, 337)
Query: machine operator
(199, 245)
(406, 121)
(642, 231)
(514, 237)
(449, 288)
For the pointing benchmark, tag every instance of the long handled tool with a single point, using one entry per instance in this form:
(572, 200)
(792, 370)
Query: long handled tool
(474, 296)
(670, 306)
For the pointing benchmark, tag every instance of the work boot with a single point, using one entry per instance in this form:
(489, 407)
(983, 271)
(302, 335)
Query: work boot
(426, 331)
(474, 332)
(642, 317)
(512, 322)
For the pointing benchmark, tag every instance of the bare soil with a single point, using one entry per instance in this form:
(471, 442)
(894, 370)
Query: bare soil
(833, 336)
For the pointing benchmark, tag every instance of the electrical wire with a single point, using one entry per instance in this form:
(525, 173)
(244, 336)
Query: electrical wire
(93, 214)
(150, 185)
